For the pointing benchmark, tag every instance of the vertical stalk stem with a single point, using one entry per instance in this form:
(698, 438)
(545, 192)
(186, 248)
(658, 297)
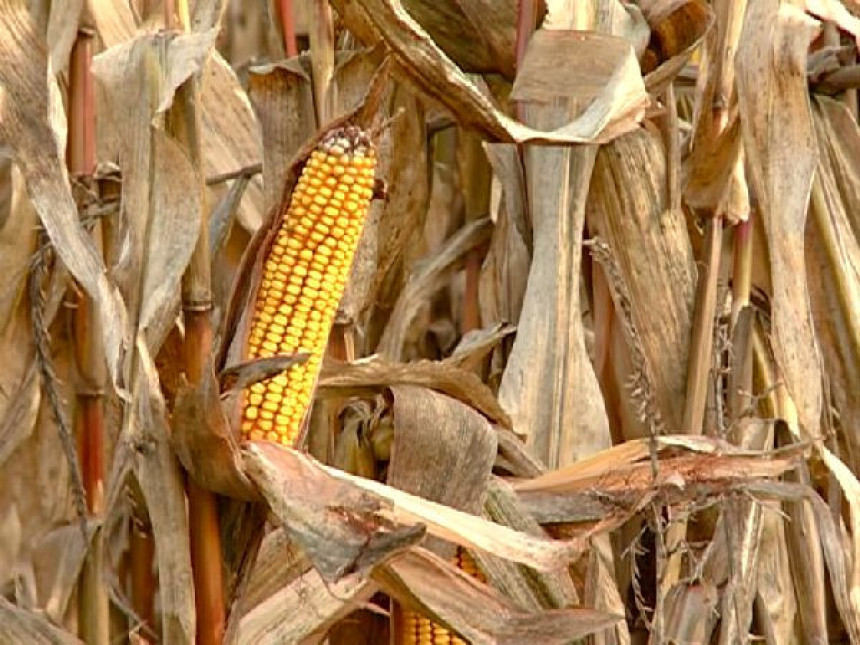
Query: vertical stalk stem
(699, 363)
(288, 27)
(204, 528)
(93, 608)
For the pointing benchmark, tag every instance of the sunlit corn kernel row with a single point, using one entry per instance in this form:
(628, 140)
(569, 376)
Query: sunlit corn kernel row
(418, 630)
(303, 279)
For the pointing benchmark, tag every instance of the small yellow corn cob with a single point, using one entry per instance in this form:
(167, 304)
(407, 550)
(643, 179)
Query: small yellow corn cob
(303, 279)
(418, 630)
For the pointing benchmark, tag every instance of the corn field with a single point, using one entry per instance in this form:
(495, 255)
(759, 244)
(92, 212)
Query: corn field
(499, 322)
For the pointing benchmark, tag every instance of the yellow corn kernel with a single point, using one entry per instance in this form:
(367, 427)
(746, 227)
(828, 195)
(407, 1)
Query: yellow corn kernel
(304, 275)
(415, 629)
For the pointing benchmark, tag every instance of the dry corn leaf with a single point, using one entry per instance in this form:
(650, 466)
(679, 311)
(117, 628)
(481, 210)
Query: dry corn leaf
(230, 134)
(527, 588)
(33, 124)
(373, 374)
(331, 491)
(283, 101)
(478, 35)
(851, 489)
(548, 386)
(20, 626)
(18, 238)
(615, 109)
(443, 450)
(145, 447)
(57, 560)
(630, 211)
(404, 166)
(205, 442)
(337, 525)
(278, 562)
(308, 606)
(833, 266)
(430, 585)
(779, 142)
(160, 217)
(714, 179)
(677, 29)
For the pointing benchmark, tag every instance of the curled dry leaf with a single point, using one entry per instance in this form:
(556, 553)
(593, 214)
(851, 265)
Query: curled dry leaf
(373, 374)
(283, 101)
(230, 136)
(677, 29)
(374, 505)
(338, 526)
(443, 450)
(428, 584)
(629, 209)
(146, 439)
(160, 217)
(549, 386)
(779, 142)
(618, 105)
(308, 606)
(833, 261)
(32, 123)
(205, 442)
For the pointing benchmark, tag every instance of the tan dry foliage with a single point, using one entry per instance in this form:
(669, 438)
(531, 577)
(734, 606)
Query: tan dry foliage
(543, 440)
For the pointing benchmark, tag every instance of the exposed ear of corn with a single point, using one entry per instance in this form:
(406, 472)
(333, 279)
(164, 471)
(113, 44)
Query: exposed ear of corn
(415, 629)
(303, 279)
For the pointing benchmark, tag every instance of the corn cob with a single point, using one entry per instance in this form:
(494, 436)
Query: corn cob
(303, 279)
(415, 629)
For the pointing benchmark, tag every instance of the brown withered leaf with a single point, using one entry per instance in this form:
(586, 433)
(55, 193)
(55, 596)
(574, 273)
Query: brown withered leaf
(475, 345)
(836, 12)
(307, 607)
(779, 142)
(851, 543)
(677, 29)
(18, 237)
(714, 179)
(618, 106)
(372, 505)
(478, 35)
(434, 587)
(205, 443)
(338, 526)
(33, 124)
(833, 262)
(20, 626)
(283, 101)
(443, 450)
(373, 374)
(404, 159)
(529, 589)
(628, 208)
(145, 447)
(57, 561)
(160, 217)
(549, 387)
(230, 134)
